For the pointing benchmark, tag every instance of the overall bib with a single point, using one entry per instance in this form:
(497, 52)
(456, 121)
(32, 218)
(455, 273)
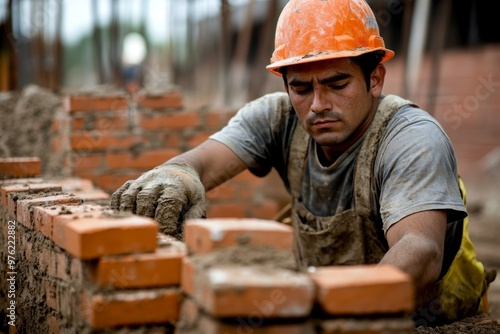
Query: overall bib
(353, 236)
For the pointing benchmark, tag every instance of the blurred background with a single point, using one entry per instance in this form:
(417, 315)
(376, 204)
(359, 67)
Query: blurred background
(215, 50)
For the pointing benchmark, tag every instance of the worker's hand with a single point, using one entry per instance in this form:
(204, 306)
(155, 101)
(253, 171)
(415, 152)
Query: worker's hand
(170, 193)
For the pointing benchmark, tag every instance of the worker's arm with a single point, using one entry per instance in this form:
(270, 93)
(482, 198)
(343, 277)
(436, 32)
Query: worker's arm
(416, 246)
(175, 191)
(214, 162)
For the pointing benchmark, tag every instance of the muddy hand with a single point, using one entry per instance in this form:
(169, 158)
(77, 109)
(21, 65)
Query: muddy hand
(169, 193)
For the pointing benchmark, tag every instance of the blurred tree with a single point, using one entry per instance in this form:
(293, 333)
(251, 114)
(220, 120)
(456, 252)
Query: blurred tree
(8, 77)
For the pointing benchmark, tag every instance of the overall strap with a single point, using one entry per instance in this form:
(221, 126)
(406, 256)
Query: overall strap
(296, 159)
(365, 161)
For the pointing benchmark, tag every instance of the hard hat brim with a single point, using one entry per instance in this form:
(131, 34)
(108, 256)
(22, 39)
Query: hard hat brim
(325, 55)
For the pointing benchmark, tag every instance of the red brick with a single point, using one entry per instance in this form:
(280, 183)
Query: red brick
(20, 167)
(131, 308)
(189, 314)
(194, 321)
(54, 220)
(179, 120)
(21, 181)
(101, 140)
(95, 195)
(77, 123)
(170, 100)
(165, 241)
(213, 119)
(368, 326)
(115, 121)
(244, 291)
(89, 238)
(205, 235)
(170, 140)
(161, 268)
(28, 251)
(198, 139)
(87, 162)
(188, 277)
(266, 210)
(53, 324)
(217, 120)
(47, 261)
(12, 206)
(6, 189)
(245, 192)
(246, 177)
(112, 181)
(94, 103)
(58, 144)
(253, 324)
(56, 125)
(226, 210)
(25, 206)
(369, 289)
(58, 296)
(53, 263)
(51, 295)
(224, 191)
(144, 160)
(73, 184)
(44, 217)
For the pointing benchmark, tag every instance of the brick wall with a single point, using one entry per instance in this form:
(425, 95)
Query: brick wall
(77, 267)
(110, 139)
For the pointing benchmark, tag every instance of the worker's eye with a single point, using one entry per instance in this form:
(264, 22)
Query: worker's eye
(338, 87)
(301, 90)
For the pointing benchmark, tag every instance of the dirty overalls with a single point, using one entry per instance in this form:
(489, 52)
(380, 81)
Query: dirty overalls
(355, 237)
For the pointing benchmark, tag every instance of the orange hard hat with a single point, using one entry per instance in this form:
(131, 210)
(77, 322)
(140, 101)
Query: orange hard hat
(314, 30)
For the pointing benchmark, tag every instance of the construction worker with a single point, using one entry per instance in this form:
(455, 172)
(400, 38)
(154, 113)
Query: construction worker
(373, 178)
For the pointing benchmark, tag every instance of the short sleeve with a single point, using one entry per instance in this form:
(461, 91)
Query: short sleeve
(257, 133)
(417, 169)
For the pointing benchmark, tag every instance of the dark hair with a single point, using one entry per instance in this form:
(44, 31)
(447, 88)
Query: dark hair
(367, 62)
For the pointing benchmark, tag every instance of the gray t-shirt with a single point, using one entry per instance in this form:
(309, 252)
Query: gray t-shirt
(415, 169)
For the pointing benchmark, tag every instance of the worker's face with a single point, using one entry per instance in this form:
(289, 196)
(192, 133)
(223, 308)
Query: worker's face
(332, 101)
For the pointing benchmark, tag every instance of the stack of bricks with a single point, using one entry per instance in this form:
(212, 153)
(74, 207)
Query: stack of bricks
(110, 139)
(240, 277)
(74, 266)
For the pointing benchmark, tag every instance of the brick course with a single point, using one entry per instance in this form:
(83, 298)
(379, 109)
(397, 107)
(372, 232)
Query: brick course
(20, 167)
(96, 270)
(368, 289)
(109, 143)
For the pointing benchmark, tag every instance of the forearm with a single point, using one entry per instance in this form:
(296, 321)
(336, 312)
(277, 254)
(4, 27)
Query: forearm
(418, 257)
(214, 162)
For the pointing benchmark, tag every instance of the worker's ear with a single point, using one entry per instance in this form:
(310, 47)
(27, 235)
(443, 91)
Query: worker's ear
(377, 80)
